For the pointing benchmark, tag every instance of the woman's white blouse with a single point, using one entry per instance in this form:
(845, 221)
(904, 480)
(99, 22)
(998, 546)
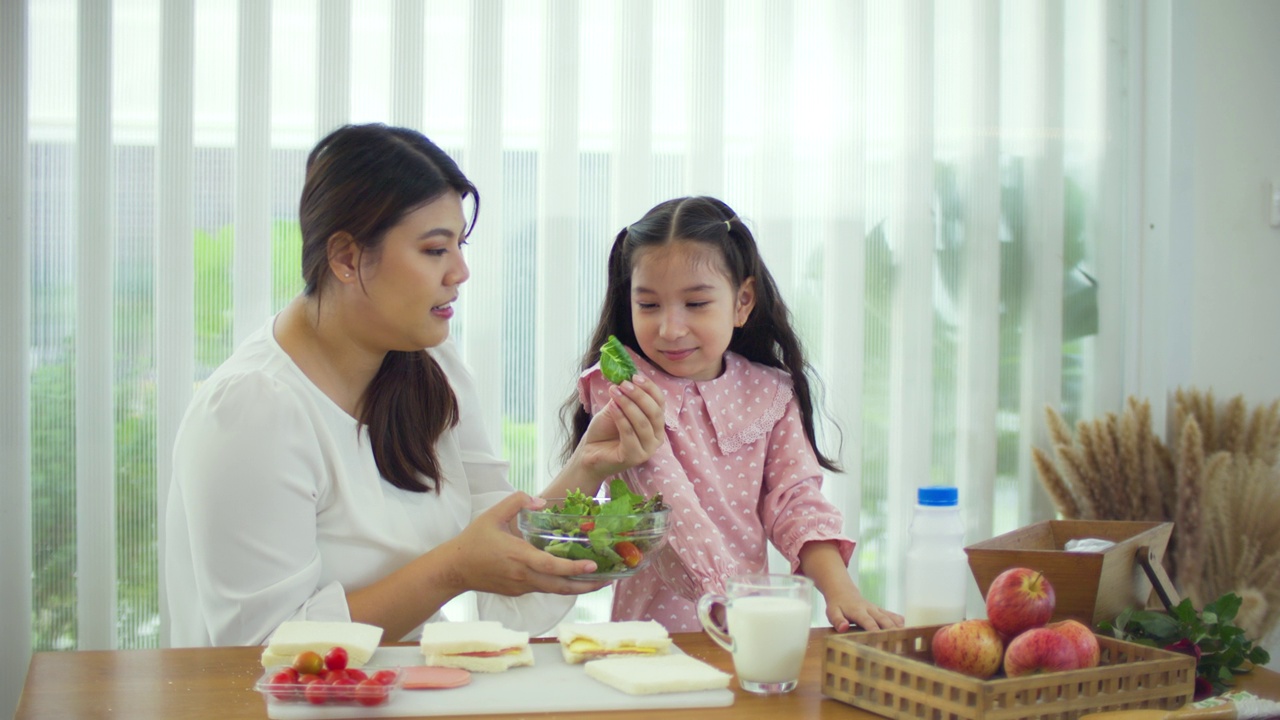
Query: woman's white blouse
(277, 507)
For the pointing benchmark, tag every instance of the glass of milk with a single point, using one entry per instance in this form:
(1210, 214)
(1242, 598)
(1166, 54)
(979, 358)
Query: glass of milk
(763, 621)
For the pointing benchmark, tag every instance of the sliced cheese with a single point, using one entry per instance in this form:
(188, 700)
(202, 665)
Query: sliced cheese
(586, 646)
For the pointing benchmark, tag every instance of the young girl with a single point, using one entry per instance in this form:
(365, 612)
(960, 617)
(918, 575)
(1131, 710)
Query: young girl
(689, 291)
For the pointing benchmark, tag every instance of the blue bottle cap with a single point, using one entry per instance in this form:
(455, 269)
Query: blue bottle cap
(938, 496)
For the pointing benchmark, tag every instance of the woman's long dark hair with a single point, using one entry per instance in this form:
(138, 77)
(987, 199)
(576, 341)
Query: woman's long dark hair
(767, 336)
(362, 180)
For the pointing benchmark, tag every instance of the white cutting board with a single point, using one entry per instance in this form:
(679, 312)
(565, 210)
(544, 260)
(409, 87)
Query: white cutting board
(549, 685)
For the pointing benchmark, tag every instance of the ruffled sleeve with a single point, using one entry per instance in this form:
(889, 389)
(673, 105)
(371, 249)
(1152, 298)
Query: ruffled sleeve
(793, 509)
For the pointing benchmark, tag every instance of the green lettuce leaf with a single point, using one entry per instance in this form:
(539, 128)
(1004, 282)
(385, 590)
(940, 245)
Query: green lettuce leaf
(615, 361)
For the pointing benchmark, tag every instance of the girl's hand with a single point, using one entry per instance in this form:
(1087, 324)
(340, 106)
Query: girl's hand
(822, 563)
(846, 608)
(487, 557)
(626, 432)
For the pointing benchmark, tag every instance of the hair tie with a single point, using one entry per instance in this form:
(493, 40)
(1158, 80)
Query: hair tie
(728, 226)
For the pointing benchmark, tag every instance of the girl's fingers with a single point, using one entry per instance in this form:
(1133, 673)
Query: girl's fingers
(632, 418)
(644, 407)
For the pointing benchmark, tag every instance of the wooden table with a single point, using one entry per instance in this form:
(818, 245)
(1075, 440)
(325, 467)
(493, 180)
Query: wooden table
(217, 684)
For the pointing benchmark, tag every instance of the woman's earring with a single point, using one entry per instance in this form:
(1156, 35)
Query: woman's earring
(346, 274)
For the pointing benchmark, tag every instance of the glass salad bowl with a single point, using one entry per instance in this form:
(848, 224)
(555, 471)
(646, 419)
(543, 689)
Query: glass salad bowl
(620, 534)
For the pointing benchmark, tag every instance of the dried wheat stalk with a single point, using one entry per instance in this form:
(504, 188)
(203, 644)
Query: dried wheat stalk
(1157, 503)
(1262, 441)
(1189, 553)
(1218, 481)
(1232, 431)
(1130, 457)
(1242, 553)
(1057, 487)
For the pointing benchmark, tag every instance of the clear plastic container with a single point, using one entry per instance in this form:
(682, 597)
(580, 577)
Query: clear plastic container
(937, 568)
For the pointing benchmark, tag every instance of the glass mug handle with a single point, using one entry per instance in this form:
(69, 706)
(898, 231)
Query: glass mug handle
(718, 632)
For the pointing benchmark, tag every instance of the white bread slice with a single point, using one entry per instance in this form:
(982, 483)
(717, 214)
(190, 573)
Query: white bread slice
(443, 645)
(652, 675)
(580, 642)
(294, 636)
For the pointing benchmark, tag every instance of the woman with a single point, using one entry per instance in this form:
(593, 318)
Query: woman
(332, 469)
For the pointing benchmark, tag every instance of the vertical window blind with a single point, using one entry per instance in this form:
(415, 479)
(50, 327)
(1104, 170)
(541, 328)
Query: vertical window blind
(940, 189)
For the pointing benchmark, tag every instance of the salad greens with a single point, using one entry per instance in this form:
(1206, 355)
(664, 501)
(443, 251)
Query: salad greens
(615, 361)
(616, 534)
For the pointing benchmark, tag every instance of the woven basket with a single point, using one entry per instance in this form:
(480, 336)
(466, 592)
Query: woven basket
(890, 673)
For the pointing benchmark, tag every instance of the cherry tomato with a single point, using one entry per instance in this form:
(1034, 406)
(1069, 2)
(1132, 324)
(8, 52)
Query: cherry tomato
(308, 678)
(384, 677)
(342, 689)
(317, 693)
(587, 525)
(308, 662)
(356, 674)
(630, 554)
(336, 658)
(371, 692)
(284, 685)
(333, 676)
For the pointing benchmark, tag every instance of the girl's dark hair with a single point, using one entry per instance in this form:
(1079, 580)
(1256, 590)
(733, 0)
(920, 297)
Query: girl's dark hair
(362, 180)
(767, 336)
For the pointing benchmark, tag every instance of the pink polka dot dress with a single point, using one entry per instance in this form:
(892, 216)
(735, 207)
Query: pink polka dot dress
(737, 471)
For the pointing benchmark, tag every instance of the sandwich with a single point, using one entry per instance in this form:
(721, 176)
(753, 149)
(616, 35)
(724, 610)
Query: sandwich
(295, 636)
(676, 672)
(478, 646)
(580, 642)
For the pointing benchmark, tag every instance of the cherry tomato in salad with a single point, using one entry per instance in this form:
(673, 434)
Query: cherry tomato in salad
(629, 553)
(587, 525)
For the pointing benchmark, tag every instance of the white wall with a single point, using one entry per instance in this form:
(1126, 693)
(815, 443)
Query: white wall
(1235, 288)
(1231, 51)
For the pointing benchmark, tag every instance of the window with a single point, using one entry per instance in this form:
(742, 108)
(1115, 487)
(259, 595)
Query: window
(938, 189)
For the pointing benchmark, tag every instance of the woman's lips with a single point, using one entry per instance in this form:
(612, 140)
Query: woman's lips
(443, 312)
(676, 355)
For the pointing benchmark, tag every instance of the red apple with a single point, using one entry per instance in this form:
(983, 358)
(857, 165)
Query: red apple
(971, 647)
(1039, 650)
(1082, 639)
(1019, 599)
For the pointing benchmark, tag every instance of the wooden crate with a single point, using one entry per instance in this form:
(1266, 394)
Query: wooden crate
(1090, 587)
(890, 673)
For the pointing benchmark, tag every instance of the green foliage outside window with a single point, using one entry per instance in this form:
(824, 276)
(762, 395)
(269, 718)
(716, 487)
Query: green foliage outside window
(53, 482)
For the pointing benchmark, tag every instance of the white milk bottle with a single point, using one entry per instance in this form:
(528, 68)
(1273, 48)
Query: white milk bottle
(937, 567)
